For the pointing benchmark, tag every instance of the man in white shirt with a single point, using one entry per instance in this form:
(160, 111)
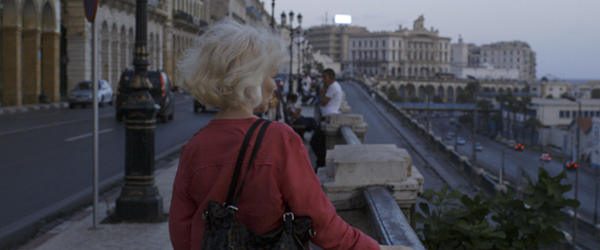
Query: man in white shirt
(331, 94)
(331, 100)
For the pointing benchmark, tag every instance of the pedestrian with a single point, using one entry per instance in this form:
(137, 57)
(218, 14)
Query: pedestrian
(294, 114)
(331, 100)
(232, 67)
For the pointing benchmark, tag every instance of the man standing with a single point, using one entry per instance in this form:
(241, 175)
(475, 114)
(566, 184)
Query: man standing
(331, 100)
(331, 94)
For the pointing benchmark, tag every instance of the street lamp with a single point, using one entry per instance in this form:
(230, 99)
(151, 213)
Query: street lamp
(139, 199)
(473, 154)
(291, 29)
(273, 14)
(573, 99)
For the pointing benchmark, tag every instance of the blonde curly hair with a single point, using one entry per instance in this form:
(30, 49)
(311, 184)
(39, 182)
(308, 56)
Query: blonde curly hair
(229, 63)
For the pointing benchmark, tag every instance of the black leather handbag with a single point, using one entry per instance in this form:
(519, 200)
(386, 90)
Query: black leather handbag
(224, 231)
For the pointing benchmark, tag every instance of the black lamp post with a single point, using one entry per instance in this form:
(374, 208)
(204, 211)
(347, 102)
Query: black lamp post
(139, 200)
(573, 99)
(291, 29)
(273, 14)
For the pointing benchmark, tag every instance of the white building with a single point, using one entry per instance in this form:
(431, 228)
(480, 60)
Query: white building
(557, 114)
(414, 53)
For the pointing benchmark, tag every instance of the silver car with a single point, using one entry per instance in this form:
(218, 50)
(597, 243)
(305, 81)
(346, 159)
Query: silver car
(81, 94)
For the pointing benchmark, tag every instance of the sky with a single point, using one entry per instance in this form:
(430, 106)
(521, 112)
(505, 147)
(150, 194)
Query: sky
(565, 34)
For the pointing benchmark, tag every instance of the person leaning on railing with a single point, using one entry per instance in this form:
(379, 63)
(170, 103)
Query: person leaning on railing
(232, 66)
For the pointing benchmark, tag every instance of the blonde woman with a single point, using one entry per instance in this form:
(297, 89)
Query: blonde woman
(232, 67)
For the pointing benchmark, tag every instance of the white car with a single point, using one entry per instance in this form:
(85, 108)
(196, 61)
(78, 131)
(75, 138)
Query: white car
(82, 94)
(478, 147)
(460, 141)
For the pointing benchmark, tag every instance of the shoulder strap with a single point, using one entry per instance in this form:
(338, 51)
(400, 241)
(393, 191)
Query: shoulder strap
(259, 137)
(240, 161)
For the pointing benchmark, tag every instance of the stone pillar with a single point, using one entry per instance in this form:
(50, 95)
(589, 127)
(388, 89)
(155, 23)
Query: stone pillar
(31, 66)
(79, 44)
(333, 123)
(12, 94)
(51, 65)
(349, 168)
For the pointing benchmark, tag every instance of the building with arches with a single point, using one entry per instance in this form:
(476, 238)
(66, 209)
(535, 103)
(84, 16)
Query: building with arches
(46, 45)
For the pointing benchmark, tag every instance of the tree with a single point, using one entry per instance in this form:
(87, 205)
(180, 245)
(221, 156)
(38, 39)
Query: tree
(485, 107)
(457, 221)
(410, 92)
(595, 93)
(392, 94)
(534, 124)
(501, 98)
(438, 99)
(525, 104)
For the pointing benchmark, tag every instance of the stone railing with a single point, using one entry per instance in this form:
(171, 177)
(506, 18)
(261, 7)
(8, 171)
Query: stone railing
(378, 177)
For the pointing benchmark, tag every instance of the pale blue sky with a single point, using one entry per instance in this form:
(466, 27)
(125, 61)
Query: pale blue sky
(565, 34)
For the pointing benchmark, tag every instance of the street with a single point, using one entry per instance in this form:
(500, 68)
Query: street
(47, 157)
(490, 159)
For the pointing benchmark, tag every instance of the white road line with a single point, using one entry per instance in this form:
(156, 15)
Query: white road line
(51, 125)
(87, 135)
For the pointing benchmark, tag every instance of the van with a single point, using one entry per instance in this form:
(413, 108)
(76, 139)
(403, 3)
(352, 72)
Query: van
(161, 93)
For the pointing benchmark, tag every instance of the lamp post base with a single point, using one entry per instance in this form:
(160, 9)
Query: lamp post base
(139, 204)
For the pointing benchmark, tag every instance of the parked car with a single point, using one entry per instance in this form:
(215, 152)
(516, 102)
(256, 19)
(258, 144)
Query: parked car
(519, 147)
(569, 165)
(161, 93)
(511, 143)
(545, 157)
(81, 94)
(478, 147)
(460, 141)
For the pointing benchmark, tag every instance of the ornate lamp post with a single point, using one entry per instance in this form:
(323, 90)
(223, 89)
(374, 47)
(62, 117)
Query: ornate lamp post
(139, 199)
(273, 14)
(291, 29)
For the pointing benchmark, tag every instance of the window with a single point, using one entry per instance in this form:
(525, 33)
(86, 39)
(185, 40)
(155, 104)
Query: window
(561, 114)
(591, 113)
(359, 44)
(574, 113)
(597, 113)
(585, 114)
(394, 43)
(567, 114)
(353, 45)
(383, 43)
(371, 43)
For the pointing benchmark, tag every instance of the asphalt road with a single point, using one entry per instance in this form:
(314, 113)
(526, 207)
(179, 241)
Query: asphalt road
(47, 157)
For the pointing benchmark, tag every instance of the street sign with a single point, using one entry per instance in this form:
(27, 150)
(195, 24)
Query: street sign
(90, 7)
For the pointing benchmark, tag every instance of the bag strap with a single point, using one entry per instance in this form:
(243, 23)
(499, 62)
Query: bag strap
(259, 137)
(240, 161)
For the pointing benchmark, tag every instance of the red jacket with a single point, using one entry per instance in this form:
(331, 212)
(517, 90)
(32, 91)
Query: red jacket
(281, 177)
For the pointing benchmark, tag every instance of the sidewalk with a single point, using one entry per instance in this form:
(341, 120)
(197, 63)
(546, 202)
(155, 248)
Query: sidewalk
(77, 232)
(30, 107)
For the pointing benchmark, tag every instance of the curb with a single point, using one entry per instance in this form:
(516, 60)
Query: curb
(31, 107)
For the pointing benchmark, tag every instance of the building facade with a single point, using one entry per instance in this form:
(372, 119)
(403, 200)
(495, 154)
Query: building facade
(511, 55)
(333, 41)
(494, 61)
(46, 45)
(412, 53)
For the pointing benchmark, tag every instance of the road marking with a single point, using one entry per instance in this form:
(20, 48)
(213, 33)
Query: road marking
(87, 135)
(51, 125)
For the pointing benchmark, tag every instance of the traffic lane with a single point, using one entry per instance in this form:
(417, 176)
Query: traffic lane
(43, 168)
(381, 131)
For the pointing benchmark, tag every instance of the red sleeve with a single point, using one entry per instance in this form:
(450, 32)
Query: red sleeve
(182, 210)
(301, 190)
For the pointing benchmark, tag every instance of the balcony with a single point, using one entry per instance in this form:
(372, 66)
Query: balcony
(183, 17)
